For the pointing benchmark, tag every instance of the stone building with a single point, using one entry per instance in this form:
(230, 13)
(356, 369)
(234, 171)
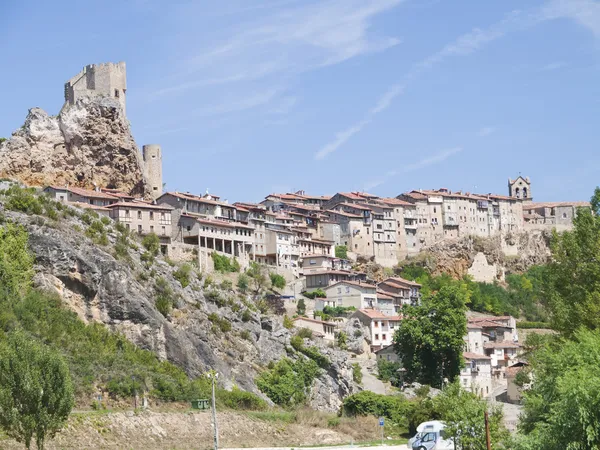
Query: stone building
(520, 188)
(144, 218)
(152, 157)
(551, 215)
(98, 80)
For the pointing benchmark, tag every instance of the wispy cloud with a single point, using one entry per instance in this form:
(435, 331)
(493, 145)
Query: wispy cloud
(239, 104)
(584, 12)
(431, 160)
(553, 66)
(464, 45)
(289, 38)
(486, 131)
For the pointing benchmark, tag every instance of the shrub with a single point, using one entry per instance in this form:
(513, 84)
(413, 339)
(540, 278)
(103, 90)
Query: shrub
(223, 324)
(226, 285)
(287, 382)
(182, 274)
(245, 334)
(333, 422)
(341, 251)
(341, 340)
(367, 403)
(529, 325)
(357, 373)
(288, 323)
(215, 297)
(22, 199)
(164, 296)
(241, 400)
(243, 282)
(317, 293)
(305, 333)
(97, 233)
(208, 281)
(277, 281)
(388, 370)
(301, 307)
(246, 315)
(313, 353)
(105, 220)
(224, 264)
(338, 311)
(151, 243)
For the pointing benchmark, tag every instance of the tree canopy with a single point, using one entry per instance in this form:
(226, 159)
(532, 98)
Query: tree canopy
(429, 340)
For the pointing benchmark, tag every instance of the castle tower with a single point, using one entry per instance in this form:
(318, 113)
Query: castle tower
(98, 80)
(520, 188)
(153, 168)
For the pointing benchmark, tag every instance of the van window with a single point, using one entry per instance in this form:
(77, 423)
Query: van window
(429, 437)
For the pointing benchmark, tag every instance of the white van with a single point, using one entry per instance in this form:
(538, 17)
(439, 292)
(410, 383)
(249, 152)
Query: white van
(430, 436)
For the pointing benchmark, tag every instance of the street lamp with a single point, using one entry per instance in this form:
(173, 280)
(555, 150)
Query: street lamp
(213, 376)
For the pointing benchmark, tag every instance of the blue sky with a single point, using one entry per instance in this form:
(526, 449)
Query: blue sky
(250, 97)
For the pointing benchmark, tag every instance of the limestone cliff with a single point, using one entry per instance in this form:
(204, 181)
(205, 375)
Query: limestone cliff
(88, 143)
(122, 295)
(487, 259)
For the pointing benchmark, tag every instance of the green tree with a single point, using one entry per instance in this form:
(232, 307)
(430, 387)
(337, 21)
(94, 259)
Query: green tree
(16, 261)
(573, 282)
(301, 307)
(36, 394)
(463, 412)
(256, 273)
(429, 340)
(243, 282)
(341, 251)
(151, 242)
(562, 408)
(277, 281)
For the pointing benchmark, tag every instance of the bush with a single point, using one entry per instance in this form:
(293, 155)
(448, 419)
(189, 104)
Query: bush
(182, 274)
(151, 243)
(338, 311)
(241, 400)
(215, 297)
(367, 403)
(224, 264)
(277, 281)
(304, 333)
(341, 251)
(288, 323)
(301, 307)
(164, 296)
(223, 324)
(246, 315)
(357, 373)
(243, 282)
(245, 334)
(226, 285)
(313, 353)
(388, 370)
(22, 199)
(333, 422)
(287, 382)
(317, 293)
(341, 340)
(529, 325)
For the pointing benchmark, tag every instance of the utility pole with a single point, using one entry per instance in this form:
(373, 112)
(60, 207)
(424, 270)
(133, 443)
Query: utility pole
(214, 377)
(487, 431)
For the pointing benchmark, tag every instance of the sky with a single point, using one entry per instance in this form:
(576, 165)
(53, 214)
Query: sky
(250, 97)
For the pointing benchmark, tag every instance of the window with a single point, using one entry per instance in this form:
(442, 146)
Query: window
(376, 337)
(339, 290)
(140, 229)
(383, 337)
(375, 324)
(151, 215)
(429, 437)
(347, 289)
(151, 228)
(127, 226)
(434, 209)
(139, 215)
(116, 93)
(164, 231)
(127, 213)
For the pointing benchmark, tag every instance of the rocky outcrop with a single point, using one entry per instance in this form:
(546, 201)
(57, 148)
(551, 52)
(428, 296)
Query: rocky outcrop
(88, 144)
(121, 295)
(487, 259)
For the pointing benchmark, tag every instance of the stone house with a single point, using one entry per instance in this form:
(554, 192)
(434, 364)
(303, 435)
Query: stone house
(387, 354)
(403, 292)
(70, 194)
(325, 330)
(551, 215)
(514, 392)
(349, 294)
(324, 278)
(318, 262)
(476, 376)
(144, 218)
(381, 327)
(355, 232)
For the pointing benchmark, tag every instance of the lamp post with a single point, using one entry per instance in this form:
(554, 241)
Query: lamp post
(213, 376)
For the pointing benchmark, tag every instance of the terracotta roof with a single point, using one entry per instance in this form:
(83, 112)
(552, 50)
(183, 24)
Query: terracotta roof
(469, 355)
(140, 205)
(395, 202)
(354, 206)
(501, 345)
(383, 348)
(384, 296)
(535, 205)
(332, 272)
(88, 206)
(85, 192)
(375, 314)
(314, 321)
(490, 324)
(353, 283)
(484, 318)
(116, 193)
(195, 198)
(351, 195)
(401, 281)
(473, 325)
(345, 214)
(317, 241)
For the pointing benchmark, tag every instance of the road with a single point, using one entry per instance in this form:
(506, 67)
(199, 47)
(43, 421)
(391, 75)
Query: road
(343, 447)
(369, 381)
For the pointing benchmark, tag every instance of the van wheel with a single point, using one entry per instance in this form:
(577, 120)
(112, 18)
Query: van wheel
(421, 448)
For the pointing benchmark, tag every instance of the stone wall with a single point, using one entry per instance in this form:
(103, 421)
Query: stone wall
(152, 155)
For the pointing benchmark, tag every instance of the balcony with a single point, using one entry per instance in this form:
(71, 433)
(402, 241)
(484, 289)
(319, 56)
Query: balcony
(410, 226)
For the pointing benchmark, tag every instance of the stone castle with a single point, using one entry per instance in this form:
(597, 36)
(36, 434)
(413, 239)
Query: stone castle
(110, 80)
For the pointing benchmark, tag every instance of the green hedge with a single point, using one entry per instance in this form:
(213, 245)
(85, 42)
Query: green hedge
(541, 325)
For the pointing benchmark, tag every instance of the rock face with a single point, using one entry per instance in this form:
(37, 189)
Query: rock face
(88, 143)
(487, 259)
(100, 288)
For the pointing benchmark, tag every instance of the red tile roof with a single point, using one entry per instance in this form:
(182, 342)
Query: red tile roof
(535, 205)
(353, 283)
(375, 314)
(354, 206)
(88, 206)
(140, 205)
(85, 192)
(345, 214)
(400, 281)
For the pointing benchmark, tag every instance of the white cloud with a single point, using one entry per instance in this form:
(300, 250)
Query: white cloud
(585, 12)
(553, 66)
(486, 131)
(433, 159)
(239, 104)
(464, 45)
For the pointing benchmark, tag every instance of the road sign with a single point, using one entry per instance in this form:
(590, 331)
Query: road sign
(381, 421)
